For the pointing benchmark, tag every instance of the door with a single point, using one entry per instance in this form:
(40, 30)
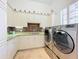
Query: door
(63, 41)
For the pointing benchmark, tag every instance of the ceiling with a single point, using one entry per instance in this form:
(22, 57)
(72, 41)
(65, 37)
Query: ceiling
(48, 2)
(44, 1)
(56, 5)
(40, 1)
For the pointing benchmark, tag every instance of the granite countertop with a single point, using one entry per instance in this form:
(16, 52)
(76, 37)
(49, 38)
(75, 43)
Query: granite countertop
(11, 36)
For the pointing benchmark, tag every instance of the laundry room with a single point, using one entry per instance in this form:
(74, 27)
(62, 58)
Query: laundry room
(38, 29)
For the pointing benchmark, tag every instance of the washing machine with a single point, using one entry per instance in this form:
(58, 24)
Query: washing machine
(49, 41)
(65, 41)
(48, 36)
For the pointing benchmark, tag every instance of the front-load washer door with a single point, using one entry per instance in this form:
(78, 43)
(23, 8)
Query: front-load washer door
(63, 41)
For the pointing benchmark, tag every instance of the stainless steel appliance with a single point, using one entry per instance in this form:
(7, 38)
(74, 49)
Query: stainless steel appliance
(48, 36)
(64, 42)
(49, 41)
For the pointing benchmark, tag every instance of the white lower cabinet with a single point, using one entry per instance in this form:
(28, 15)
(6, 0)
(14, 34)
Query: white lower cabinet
(27, 42)
(23, 42)
(3, 51)
(12, 48)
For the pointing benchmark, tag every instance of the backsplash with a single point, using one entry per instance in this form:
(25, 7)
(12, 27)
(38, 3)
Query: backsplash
(10, 30)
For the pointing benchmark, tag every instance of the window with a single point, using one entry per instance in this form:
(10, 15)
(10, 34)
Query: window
(69, 15)
(64, 16)
(73, 13)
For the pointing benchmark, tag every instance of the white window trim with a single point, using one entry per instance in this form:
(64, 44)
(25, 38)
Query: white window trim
(68, 14)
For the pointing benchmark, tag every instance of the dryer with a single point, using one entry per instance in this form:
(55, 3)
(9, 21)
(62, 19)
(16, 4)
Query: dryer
(49, 41)
(65, 41)
(48, 36)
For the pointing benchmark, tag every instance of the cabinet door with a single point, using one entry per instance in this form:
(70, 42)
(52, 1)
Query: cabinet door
(24, 42)
(17, 42)
(40, 41)
(3, 51)
(27, 42)
(12, 48)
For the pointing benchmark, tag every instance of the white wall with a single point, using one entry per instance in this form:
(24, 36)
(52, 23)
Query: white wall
(56, 19)
(21, 19)
(3, 18)
(2, 25)
(3, 38)
(57, 6)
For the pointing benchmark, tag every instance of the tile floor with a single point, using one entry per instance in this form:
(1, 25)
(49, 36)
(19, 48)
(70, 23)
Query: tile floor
(39, 53)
